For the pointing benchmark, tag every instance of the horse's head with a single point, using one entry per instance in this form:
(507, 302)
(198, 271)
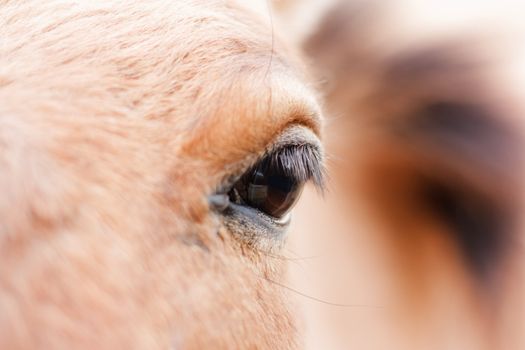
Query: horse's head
(150, 154)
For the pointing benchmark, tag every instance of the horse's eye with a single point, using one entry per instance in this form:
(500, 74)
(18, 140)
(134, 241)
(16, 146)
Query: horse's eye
(268, 187)
(273, 185)
(256, 205)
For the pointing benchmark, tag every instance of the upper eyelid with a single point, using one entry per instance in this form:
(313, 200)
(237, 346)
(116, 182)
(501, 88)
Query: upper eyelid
(293, 136)
(296, 136)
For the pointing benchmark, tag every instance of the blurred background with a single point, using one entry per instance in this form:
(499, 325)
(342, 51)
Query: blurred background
(418, 242)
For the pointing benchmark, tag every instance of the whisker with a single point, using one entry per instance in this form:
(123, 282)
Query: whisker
(270, 15)
(319, 300)
(296, 260)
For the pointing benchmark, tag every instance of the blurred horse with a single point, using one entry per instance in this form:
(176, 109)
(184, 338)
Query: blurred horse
(425, 135)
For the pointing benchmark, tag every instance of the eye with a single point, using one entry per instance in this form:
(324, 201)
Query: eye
(255, 206)
(269, 187)
(273, 185)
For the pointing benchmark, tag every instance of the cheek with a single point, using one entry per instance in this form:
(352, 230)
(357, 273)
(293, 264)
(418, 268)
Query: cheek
(212, 295)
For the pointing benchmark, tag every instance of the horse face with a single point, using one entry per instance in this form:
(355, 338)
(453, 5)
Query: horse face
(150, 155)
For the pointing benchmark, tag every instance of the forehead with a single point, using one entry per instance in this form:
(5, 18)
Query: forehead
(187, 63)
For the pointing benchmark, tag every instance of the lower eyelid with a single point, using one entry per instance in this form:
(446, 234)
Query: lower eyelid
(254, 227)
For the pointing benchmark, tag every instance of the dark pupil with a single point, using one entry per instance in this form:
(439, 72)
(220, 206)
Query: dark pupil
(266, 188)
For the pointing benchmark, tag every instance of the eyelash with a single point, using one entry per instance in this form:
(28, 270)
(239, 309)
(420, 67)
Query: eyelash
(302, 163)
